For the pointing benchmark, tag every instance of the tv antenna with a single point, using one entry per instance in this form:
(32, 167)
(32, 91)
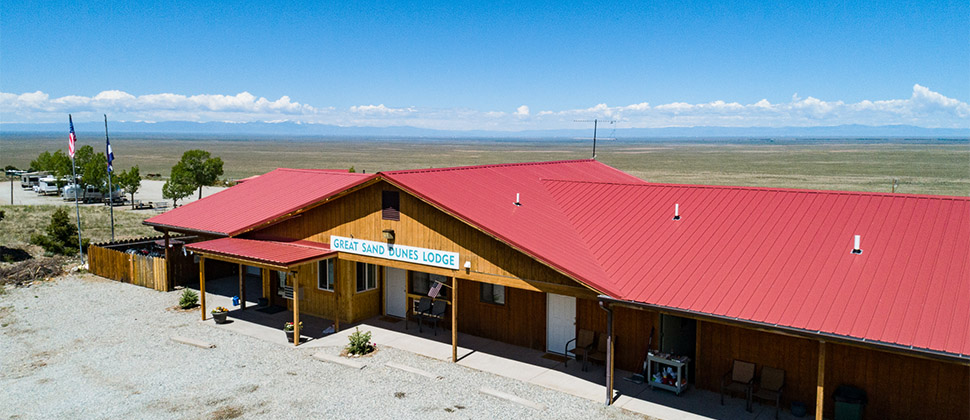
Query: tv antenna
(595, 126)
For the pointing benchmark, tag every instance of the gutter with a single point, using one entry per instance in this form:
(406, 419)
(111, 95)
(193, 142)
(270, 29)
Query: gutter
(817, 335)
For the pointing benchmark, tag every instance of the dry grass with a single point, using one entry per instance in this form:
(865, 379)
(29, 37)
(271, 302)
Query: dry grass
(21, 222)
(922, 166)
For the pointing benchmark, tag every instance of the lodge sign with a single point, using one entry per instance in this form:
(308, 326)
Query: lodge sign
(411, 254)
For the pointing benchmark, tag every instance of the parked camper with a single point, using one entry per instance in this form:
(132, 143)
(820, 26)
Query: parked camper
(30, 180)
(91, 194)
(47, 186)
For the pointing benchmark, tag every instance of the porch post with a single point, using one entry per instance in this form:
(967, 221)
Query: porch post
(296, 311)
(264, 272)
(168, 264)
(337, 289)
(242, 288)
(454, 319)
(820, 387)
(202, 284)
(609, 354)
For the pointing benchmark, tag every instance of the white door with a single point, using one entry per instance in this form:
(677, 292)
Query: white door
(395, 291)
(560, 321)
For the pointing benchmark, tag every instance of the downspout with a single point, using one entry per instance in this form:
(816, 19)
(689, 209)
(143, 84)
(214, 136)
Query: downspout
(609, 352)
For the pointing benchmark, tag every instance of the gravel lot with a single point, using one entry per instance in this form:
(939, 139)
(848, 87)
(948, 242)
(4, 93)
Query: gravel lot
(151, 190)
(85, 347)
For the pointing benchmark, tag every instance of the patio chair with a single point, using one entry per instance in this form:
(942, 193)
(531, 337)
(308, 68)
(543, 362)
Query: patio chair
(584, 343)
(599, 353)
(437, 313)
(424, 306)
(770, 386)
(739, 379)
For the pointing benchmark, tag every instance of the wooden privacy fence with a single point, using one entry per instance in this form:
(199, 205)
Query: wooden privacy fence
(142, 270)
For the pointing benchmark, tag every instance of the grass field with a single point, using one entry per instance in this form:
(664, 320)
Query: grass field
(21, 222)
(922, 166)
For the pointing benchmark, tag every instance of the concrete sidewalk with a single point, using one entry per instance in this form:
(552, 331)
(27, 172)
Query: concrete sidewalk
(526, 365)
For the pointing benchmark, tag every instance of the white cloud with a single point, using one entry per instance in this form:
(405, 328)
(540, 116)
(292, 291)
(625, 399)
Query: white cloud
(923, 107)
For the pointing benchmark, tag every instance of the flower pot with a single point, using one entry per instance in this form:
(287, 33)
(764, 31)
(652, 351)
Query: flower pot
(289, 336)
(220, 317)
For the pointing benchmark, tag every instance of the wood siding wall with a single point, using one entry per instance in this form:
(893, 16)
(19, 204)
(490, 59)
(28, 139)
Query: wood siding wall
(140, 270)
(520, 321)
(631, 329)
(898, 386)
(344, 299)
(719, 345)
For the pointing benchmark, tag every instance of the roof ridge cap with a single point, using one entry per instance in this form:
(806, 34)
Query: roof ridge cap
(492, 165)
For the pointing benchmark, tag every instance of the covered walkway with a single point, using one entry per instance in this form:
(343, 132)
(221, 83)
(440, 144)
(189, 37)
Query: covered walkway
(526, 365)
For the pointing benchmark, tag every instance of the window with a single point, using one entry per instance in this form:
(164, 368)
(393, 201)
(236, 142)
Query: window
(366, 277)
(421, 283)
(281, 278)
(390, 205)
(325, 274)
(492, 293)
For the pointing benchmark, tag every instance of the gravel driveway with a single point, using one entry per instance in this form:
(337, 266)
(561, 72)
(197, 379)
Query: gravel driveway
(86, 347)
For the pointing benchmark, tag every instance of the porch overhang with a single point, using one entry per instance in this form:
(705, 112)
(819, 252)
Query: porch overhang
(277, 255)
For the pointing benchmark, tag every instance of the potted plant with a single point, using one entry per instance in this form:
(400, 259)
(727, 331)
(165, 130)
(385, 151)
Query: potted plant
(288, 329)
(219, 314)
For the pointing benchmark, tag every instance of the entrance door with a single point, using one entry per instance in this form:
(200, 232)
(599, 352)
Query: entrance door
(560, 322)
(679, 336)
(395, 292)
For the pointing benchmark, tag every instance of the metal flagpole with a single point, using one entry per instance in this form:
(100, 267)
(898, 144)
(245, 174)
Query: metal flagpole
(77, 207)
(110, 157)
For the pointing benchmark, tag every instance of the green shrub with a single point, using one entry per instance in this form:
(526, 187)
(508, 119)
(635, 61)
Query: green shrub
(360, 343)
(61, 237)
(189, 299)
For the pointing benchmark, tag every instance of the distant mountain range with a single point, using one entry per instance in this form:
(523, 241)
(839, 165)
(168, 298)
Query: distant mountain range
(298, 129)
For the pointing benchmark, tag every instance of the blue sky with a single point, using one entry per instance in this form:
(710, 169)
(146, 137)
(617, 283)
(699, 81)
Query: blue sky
(489, 65)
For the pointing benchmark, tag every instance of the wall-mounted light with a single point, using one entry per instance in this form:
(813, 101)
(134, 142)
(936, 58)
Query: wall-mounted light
(388, 234)
(468, 265)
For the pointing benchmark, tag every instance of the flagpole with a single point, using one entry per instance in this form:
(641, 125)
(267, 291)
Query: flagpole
(110, 190)
(77, 207)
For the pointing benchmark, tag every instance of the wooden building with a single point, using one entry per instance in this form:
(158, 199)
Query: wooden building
(534, 253)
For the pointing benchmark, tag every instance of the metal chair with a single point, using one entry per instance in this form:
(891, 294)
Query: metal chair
(424, 305)
(739, 379)
(770, 386)
(584, 343)
(436, 313)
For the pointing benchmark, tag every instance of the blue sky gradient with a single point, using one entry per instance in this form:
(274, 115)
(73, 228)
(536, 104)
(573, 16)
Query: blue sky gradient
(448, 59)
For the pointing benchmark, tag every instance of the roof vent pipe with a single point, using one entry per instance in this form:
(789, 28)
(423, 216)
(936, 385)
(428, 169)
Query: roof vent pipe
(856, 249)
(517, 203)
(676, 211)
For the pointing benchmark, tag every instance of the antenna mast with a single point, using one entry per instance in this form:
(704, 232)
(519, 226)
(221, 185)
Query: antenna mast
(595, 126)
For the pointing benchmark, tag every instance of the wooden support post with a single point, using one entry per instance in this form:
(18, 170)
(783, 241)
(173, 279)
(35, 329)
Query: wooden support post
(168, 264)
(820, 387)
(337, 289)
(242, 287)
(266, 289)
(202, 284)
(609, 353)
(454, 319)
(296, 311)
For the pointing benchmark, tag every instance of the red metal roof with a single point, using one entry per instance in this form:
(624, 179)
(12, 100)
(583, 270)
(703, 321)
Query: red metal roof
(782, 257)
(272, 252)
(257, 201)
(484, 196)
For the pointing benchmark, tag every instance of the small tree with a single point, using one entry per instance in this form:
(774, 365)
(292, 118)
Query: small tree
(130, 181)
(61, 237)
(96, 172)
(178, 186)
(188, 299)
(200, 167)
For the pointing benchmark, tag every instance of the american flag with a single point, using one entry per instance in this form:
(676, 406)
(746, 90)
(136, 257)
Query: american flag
(71, 138)
(433, 293)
